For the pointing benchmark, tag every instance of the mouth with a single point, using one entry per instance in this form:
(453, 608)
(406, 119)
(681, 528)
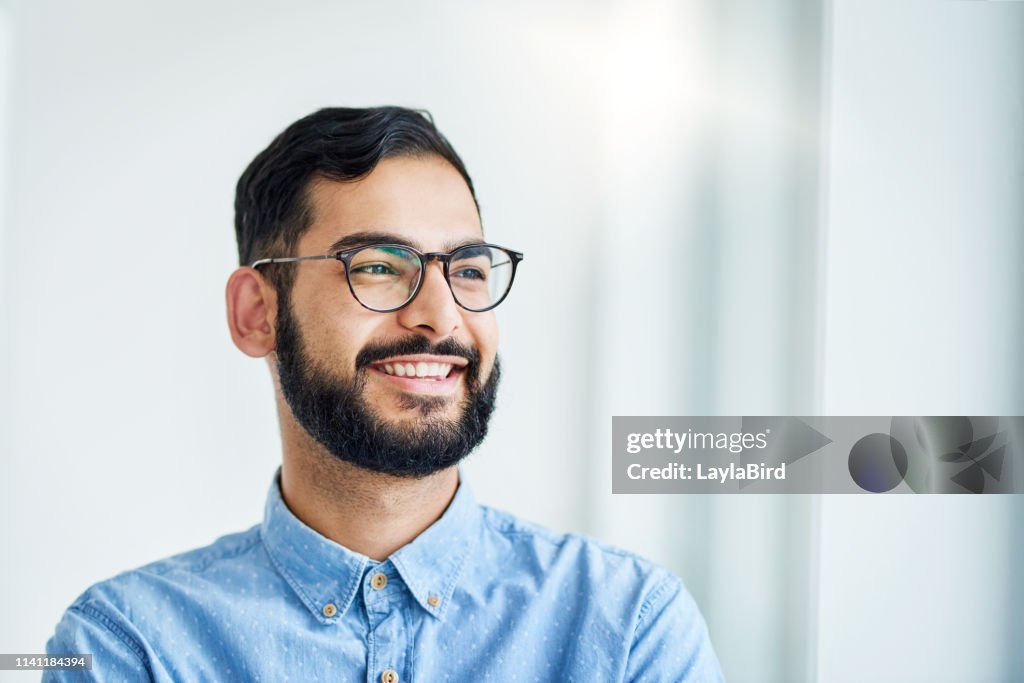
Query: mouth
(422, 373)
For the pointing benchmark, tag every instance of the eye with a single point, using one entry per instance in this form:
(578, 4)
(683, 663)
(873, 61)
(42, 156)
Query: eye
(374, 269)
(470, 274)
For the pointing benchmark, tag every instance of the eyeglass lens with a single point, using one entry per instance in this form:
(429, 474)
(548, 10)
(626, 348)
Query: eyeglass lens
(387, 277)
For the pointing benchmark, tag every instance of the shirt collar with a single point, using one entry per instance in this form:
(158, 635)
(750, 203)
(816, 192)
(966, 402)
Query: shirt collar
(431, 564)
(322, 572)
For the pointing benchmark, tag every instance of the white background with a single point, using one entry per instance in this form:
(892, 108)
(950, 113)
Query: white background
(727, 207)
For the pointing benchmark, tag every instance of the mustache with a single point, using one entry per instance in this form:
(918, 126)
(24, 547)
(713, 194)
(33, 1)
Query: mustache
(376, 352)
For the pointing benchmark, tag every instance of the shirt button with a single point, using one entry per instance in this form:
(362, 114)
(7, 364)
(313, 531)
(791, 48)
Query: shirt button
(330, 610)
(433, 601)
(389, 675)
(379, 581)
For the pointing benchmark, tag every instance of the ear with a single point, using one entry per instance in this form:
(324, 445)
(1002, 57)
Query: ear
(252, 309)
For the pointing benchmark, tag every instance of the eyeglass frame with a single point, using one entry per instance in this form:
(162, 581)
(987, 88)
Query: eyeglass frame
(345, 256)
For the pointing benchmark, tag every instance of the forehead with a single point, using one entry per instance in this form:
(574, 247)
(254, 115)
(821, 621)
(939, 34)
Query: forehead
(422, 200)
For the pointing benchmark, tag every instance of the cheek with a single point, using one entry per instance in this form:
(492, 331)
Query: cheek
(334, 333)
(484, 328)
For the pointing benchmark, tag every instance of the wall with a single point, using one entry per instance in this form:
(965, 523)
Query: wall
(923, 291)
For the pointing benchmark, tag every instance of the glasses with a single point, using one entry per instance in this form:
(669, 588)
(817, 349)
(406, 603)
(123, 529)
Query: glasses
(386, 277)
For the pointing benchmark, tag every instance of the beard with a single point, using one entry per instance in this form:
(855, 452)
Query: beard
(336, 414)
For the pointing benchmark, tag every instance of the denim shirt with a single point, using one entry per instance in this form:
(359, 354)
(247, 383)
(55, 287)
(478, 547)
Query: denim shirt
(479, 595)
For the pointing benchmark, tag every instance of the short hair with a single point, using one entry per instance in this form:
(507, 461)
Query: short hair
(272, 208)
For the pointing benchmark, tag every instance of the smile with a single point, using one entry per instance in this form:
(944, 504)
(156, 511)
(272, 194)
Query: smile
(432, 371)
(424, 374)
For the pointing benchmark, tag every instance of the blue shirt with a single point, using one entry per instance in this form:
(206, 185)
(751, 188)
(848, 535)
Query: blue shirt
(479, 595)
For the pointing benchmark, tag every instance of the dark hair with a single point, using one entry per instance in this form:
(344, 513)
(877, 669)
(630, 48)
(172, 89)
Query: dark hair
(271, 204)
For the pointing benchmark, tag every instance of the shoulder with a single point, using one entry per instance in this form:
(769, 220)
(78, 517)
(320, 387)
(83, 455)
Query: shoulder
(183, 569)
(588, 550)
(125, 602)
(116, 617)
(614, 598)
(589, 564)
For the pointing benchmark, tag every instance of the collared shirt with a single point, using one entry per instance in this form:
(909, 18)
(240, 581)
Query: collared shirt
(479, 595)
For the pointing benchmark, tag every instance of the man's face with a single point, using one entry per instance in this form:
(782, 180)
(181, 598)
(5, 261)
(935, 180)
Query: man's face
(338, 362)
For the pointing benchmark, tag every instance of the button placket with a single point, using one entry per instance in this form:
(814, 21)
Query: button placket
(383, 595)
(379, 592)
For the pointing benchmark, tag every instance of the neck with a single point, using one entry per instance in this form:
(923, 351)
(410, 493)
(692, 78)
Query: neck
(367, 512)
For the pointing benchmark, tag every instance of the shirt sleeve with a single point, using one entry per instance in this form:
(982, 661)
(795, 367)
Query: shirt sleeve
(116, 656)
(671, 641)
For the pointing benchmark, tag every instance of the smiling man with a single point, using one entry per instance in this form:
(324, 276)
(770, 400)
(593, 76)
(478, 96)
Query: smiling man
(368, 285)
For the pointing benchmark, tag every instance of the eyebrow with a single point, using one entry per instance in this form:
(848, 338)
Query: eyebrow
(359, 239)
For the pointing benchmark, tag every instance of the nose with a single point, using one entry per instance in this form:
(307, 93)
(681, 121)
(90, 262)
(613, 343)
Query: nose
(433, 312)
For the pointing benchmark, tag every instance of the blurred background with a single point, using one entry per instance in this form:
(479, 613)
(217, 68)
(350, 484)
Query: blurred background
(735, 207)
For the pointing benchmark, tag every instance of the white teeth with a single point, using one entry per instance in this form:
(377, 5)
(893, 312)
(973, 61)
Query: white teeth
(421, 370)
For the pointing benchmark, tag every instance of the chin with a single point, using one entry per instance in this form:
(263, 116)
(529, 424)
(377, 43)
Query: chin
(414, 407)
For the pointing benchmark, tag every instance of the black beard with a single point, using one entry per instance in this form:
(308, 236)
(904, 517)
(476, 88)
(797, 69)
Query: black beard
(335, 413)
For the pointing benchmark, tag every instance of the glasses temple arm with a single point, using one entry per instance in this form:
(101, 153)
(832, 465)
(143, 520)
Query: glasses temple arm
(290, 259)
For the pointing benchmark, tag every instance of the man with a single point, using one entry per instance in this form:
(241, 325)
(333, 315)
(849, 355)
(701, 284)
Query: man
(367, 284)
